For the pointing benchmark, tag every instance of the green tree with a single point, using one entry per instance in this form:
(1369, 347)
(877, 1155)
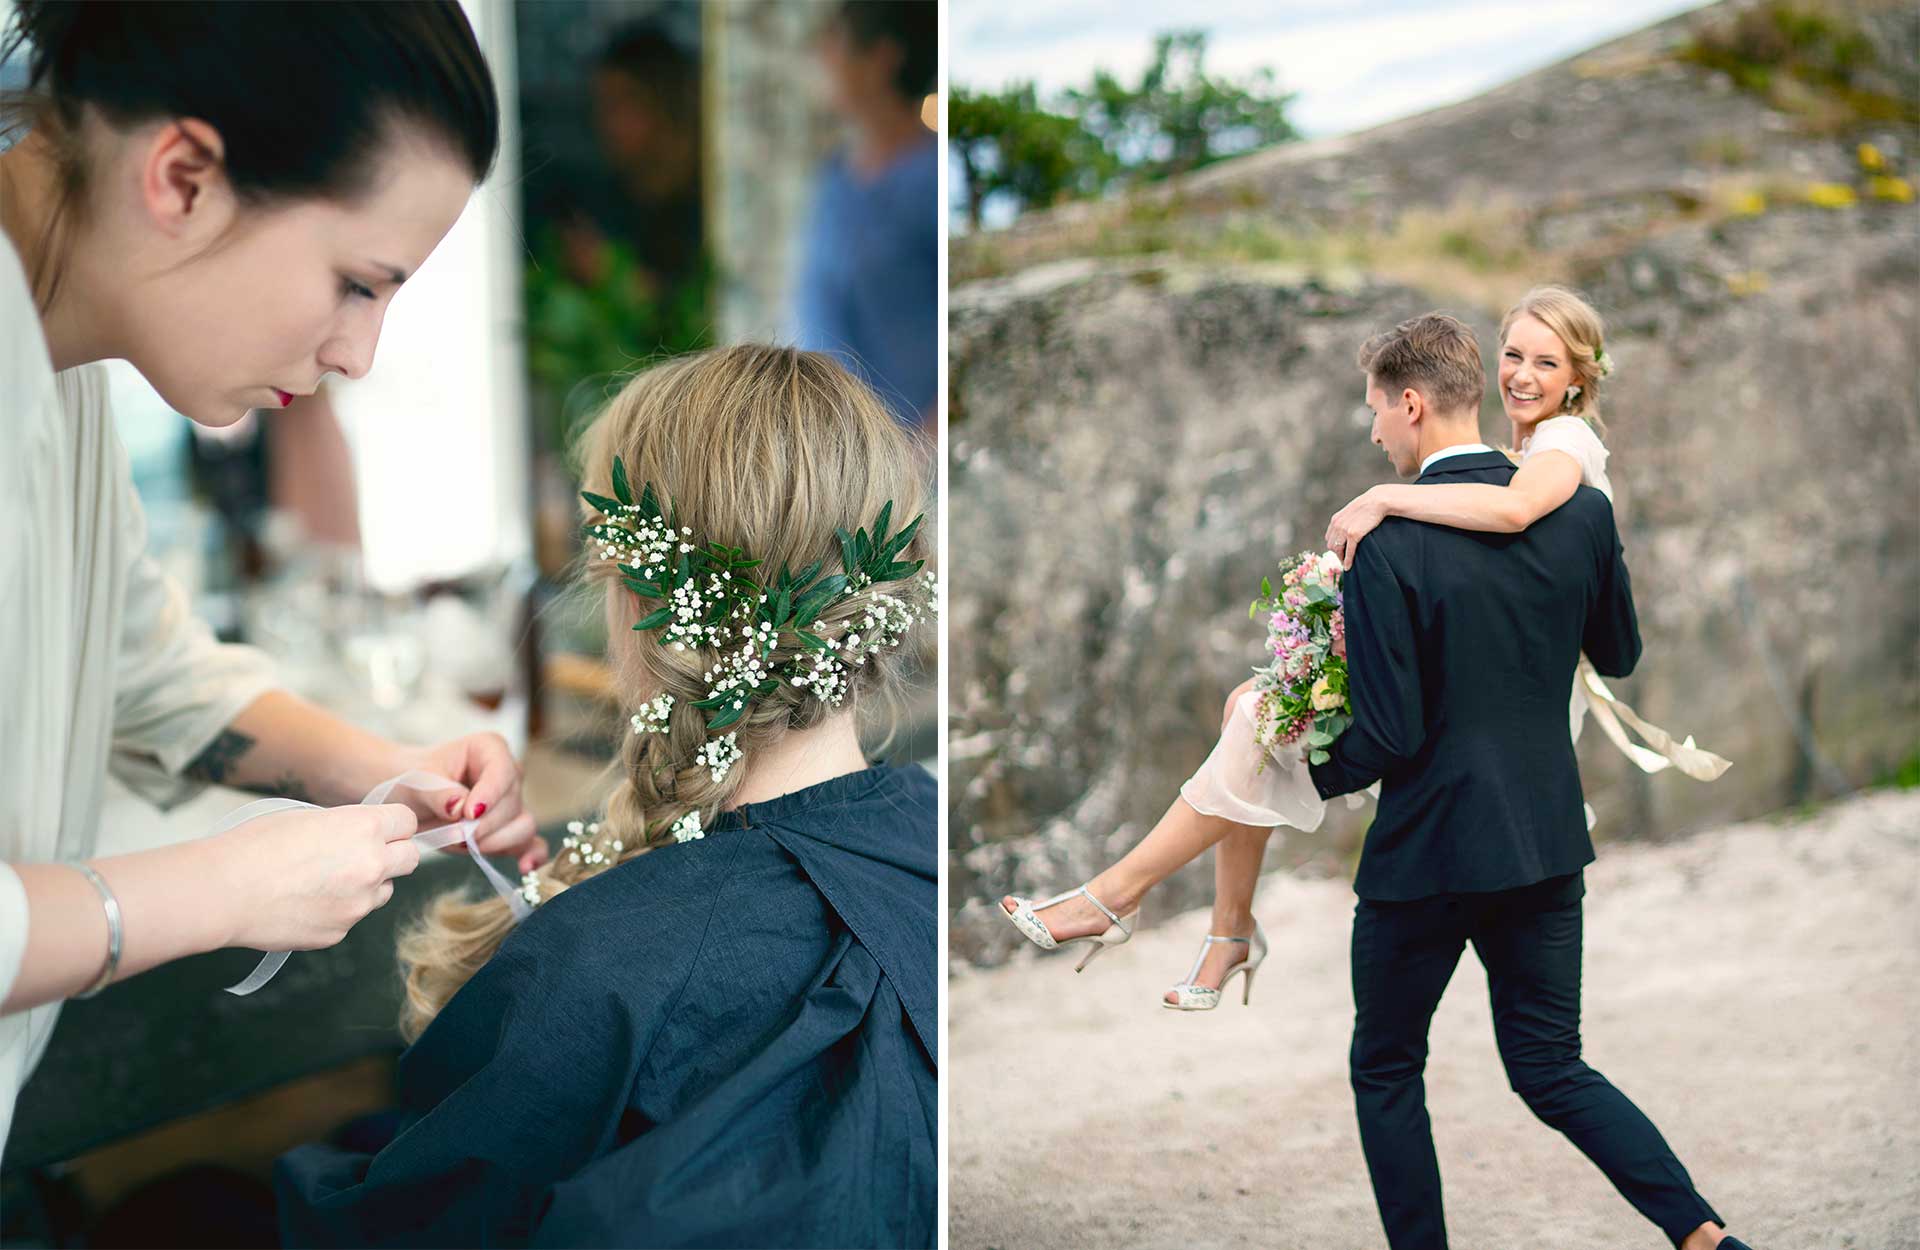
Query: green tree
(1007, 142)
(1179, 117)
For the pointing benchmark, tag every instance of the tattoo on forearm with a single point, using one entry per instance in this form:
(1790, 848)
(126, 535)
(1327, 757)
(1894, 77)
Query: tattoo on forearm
(216, 763)
(291, 787)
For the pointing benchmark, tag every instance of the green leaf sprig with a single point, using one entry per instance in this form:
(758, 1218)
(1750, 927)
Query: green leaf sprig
(710, 597)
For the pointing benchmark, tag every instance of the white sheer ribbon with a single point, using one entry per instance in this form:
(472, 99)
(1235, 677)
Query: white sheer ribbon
(429, 840)
(1661, 751)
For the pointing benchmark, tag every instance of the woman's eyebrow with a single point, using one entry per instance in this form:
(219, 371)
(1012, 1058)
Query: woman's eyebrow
(395, 274)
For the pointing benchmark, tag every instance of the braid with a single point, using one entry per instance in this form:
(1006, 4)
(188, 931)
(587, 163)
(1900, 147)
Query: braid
(795, 449)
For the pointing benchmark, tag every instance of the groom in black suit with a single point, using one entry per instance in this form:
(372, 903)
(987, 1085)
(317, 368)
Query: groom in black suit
(1461, 650)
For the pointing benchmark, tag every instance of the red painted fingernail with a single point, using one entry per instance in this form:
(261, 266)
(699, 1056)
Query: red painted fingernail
(453, 803)
(479, 810)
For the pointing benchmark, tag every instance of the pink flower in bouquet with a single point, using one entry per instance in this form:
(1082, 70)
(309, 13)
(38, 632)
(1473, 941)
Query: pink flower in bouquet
(1306, 638)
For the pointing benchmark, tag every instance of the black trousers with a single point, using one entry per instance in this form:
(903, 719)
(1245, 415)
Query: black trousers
(1529, 940)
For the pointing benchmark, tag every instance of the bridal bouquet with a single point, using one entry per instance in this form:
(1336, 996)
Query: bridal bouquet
(1303, 692)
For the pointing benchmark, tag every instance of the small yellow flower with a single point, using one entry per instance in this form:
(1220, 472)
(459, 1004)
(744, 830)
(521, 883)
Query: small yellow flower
(1888, 187)
(1831, 195)
(1324, 699)
(1751, 282)
(1749, 204)
(1870, 159)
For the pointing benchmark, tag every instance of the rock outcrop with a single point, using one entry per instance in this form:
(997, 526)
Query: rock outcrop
(1135, 440)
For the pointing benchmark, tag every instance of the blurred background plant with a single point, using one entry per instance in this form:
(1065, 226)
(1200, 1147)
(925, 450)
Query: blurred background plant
(583, 336)
(1176, 117)
(1809, 59)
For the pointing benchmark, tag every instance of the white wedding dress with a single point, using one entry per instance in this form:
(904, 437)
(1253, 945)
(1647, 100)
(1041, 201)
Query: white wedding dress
(1242, 782)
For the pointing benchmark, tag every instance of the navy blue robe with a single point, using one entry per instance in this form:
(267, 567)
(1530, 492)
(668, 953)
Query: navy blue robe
(724, 1042)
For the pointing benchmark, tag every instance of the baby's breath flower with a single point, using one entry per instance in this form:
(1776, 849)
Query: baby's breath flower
(720, 755)
(652, 718)
(702, 606)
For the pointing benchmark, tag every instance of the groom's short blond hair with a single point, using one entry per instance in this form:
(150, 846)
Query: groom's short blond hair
(1434, 354)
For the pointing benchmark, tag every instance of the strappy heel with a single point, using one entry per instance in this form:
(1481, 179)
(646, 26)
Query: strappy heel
(1191, 997)
(1030, 926)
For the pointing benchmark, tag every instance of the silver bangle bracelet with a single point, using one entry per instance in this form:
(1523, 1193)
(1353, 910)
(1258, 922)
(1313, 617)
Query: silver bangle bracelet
(112, 905)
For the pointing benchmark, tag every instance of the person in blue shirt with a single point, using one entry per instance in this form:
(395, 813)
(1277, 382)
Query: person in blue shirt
(868, 284)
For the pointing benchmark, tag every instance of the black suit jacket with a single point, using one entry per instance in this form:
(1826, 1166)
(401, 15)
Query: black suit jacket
(1461, 649)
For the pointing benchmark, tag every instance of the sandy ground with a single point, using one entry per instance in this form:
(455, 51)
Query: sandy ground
(1755, 989)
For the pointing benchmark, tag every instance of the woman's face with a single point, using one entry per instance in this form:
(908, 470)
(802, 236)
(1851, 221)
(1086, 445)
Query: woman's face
(1535, 371)
(283, 294)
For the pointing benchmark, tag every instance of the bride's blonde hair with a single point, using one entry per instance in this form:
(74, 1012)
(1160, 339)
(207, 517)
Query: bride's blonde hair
(1577, 325)
(765, 449)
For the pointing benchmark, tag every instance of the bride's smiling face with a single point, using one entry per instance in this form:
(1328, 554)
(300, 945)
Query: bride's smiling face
(1535, 371)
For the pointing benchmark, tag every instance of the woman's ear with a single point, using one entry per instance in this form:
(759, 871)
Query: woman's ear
(183, 180)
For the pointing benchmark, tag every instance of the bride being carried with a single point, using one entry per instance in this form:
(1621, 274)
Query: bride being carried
(1428, 655)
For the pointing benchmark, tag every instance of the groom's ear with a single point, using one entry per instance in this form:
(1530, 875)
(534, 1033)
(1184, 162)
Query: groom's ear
(1416, 405)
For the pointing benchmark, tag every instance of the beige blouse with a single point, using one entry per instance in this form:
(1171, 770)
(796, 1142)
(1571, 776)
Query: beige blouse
(103, 666)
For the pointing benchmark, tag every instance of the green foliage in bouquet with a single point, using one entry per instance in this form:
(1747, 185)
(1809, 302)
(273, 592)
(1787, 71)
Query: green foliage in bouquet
(1304, 695)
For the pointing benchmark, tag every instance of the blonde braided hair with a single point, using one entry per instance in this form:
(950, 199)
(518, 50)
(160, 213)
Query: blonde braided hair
(765, 449)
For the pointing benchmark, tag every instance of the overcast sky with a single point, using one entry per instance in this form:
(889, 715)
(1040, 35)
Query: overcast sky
(1353, 62)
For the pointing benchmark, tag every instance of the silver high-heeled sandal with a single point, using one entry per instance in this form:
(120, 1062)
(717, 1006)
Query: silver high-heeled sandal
(1191, 997)
(1034, 931)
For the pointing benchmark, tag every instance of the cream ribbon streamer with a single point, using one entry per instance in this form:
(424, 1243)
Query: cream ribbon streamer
(1609, 711)
(431, 840)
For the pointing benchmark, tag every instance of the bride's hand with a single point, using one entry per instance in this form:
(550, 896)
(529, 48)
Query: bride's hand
(1353, 523)
(490, 778)
(1226, 714)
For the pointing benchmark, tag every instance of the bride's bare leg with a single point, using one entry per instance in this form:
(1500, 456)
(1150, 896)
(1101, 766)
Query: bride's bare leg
(1180, 837)
(1236, 874)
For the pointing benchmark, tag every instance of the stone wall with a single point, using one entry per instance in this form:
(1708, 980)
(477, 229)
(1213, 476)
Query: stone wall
(1134, 443)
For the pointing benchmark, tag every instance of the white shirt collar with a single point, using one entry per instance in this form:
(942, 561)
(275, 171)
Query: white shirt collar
(1458, 449)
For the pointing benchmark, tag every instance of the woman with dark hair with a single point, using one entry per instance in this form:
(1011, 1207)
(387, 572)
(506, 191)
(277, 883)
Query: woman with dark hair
(227, 196)
(868, 289)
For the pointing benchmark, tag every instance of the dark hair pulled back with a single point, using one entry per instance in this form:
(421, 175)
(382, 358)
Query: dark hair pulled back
(302, 92)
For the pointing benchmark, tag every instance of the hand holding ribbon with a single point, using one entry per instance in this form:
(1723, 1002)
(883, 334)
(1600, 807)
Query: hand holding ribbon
(393, 825)
(484, 788)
